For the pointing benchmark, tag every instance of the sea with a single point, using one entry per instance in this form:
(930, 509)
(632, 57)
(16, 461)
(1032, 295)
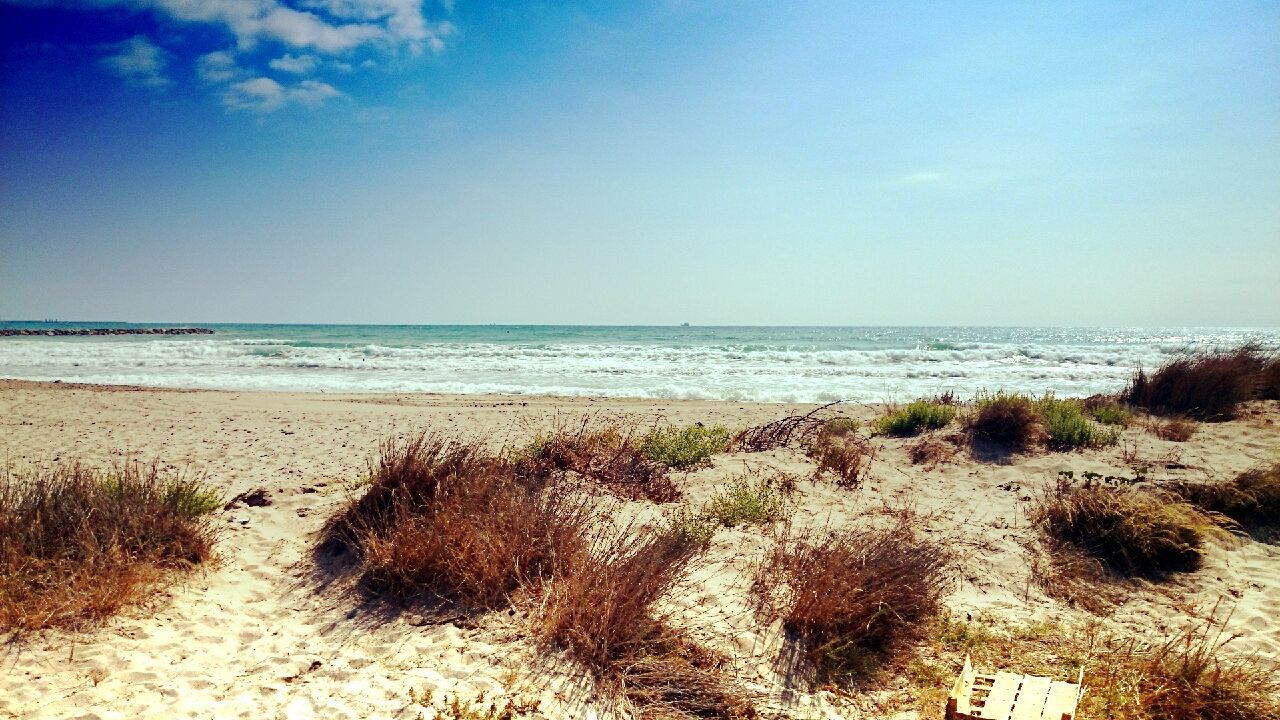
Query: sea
(765, 364)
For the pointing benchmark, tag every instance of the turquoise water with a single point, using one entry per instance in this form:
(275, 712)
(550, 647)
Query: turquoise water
(772, 364)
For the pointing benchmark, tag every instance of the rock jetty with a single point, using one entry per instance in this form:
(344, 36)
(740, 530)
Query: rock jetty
(59, 332)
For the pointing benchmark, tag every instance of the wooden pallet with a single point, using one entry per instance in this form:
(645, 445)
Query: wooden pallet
(1009, 696)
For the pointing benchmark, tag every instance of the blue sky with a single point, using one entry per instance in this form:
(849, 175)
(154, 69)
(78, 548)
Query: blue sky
(733, 163)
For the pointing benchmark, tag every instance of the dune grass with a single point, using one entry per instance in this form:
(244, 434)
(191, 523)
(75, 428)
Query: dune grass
(78, 544)
(838, 450)
(606, 452)
(604, 612)
(1007, 420)
(1132, 532)
(685, 448)
(853, 598)
(442, 519)
(1251, 499)
(1208, 386)
(917, 417)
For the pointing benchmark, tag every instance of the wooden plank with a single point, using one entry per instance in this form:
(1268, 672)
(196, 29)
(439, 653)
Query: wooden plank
(1061, 701)
(963, 689)
(1031, 698)
(1000, 701)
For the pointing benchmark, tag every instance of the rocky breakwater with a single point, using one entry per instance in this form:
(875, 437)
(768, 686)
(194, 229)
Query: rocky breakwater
(60, 332)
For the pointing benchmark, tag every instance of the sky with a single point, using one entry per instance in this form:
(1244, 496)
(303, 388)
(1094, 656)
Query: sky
(877, 163)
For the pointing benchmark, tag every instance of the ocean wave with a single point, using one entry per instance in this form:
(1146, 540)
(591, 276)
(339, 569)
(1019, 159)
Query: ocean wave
(774, 369)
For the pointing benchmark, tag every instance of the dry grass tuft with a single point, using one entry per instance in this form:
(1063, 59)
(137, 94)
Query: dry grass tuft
(930, 451)
(851, 598)
(1005, 420)
(1175, 430)
(604, 612)
(608, 455)
(839, 450)
(443, 519)
(1204, 386)
(77, 544)
(1251, 499)
(1190, 676)
(1132, 532)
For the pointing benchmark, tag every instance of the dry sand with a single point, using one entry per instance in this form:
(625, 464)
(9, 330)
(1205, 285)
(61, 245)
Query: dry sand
(253, 637)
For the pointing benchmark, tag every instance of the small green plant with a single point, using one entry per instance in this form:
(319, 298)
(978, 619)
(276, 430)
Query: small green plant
(912, 419)
(684, 448)
(1066, 425)
(746, 503)
(691, 526)
(190, 498)
(840, 426)
(1112, 413)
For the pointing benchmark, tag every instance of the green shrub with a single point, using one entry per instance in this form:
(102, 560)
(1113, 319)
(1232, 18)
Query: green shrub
(1066, 425)
(746, 502)
(1112, 413)
(684, 448)
(919, 415)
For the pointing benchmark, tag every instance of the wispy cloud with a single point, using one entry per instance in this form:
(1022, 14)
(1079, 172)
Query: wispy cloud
(138, 61)
(264, 95)
(218, 67)
(296, 64)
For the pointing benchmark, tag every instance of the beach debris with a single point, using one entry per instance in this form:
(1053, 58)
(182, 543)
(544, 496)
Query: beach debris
(793, 429)
(1008, 696)
(256, 497)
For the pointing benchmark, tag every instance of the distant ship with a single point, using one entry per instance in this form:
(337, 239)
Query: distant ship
(684, 324)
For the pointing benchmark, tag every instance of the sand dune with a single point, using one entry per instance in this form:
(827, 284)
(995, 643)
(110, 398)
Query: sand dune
(253, 636)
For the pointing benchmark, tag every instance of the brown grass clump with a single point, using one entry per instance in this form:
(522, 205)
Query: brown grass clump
(838, 449)
(1251, 499)
(1205, 386)
(77, 544)
(1004, 420)
(606, 454)
(930, 451)
(1132, 532)
(1175, 430)
(850, 598)
(441, 518)
(604, 613)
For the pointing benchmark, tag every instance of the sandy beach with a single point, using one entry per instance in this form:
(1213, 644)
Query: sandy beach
(253, 636)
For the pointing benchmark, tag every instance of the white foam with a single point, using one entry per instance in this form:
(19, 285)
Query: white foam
(1051, 361)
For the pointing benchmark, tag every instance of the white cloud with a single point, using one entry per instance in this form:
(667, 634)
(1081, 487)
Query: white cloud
(218, 67)
(296, 64)
(316, 35)
(264, 95)
(138, 60)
